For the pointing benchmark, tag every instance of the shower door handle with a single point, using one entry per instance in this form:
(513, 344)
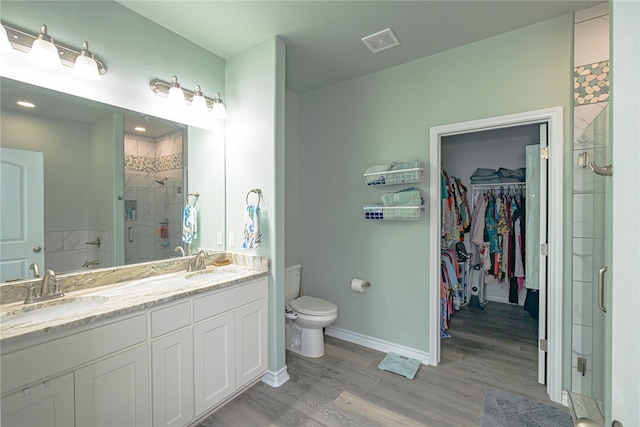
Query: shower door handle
(601, 273)
(130, 233)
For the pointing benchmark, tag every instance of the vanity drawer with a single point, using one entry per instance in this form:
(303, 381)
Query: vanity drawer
(47, 359)
(171, 318)
(220, 302)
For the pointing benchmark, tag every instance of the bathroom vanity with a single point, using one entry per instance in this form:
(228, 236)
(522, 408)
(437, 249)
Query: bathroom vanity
(156, 351)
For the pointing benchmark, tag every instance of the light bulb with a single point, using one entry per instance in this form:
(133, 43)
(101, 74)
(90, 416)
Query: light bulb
(218, 109)
(43, 51)
(176, 95)
(198, 102)
(85, 66)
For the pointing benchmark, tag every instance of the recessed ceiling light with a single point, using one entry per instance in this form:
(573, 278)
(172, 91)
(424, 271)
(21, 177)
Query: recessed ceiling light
(26, 104)
(140, 129)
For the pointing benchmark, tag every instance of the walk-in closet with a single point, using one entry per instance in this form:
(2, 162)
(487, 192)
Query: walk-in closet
(489, 271)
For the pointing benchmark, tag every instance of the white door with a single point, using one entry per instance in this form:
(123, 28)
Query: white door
(21, 213)
(536, 231)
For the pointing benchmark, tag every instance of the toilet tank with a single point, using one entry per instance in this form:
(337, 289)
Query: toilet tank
(291, 282)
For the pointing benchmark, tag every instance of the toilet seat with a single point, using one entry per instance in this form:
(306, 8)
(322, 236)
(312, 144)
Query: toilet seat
(313, 306)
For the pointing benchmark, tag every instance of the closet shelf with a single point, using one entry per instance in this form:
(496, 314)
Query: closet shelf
(391, 177)
(392, 213)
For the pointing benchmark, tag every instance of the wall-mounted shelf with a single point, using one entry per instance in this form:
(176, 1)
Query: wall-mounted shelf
(392, 213)
(405, 175)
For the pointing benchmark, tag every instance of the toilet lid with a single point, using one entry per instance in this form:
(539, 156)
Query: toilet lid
(313, 306)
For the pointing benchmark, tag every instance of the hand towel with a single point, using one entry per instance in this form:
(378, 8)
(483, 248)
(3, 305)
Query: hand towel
(251, 228)
(190, 224)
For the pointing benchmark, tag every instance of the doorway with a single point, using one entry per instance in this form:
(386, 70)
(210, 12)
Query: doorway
(552, 120)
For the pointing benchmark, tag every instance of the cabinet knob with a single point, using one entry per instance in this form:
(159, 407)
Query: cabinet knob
(26, 391)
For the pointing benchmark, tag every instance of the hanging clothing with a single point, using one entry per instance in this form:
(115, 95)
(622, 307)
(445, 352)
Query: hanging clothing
(497, 234)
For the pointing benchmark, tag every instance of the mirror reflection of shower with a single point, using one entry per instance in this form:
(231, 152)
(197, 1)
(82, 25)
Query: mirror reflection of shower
(153, 191)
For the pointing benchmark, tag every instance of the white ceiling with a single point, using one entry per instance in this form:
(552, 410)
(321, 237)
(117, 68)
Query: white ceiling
(323, 37)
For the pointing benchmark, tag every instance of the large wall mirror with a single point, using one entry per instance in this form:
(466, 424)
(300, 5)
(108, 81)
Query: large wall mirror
(96, 189)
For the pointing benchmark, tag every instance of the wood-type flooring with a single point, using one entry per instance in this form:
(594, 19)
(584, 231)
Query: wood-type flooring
(494, 347)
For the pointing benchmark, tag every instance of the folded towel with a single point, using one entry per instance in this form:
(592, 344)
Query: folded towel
(407, 197)
(372, 177)
(251, 228)
(405, 165)
(484, 172)
(190, 224)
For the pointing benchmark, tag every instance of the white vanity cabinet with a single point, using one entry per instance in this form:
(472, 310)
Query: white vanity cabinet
(165, 365)
(230, 348)
(49, 403)
(114, 391)
(172, 365)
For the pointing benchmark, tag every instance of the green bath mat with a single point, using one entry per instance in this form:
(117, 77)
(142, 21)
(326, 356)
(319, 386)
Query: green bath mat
(401, 365)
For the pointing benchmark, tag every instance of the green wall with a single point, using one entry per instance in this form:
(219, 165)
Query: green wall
(384, 117)
(255, 85)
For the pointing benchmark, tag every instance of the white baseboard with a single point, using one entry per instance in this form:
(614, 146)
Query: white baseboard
(378, 344)
(276, 379)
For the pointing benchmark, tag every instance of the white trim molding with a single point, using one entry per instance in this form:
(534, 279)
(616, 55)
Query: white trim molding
(276, 379)
(378, 344)
(553, 117)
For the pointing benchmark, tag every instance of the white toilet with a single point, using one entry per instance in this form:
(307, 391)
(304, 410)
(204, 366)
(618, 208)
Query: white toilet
(305, 317)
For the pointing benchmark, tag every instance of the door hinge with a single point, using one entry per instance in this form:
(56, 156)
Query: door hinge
(582, 365)
(544, 153)
(544, 344)
(544, 249)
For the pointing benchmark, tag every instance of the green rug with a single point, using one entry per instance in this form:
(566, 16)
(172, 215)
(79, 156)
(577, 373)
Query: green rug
(503, 409)
(401, 365)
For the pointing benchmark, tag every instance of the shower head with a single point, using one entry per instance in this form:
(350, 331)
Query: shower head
(161, 181)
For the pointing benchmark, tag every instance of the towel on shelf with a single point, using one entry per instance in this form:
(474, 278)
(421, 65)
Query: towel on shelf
(372, 176)
(251, 228)
(190, 224)
(407, 197)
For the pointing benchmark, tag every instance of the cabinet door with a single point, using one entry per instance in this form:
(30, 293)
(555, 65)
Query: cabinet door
(214, 361)
(115, 391)
(172, 368)
(251, 342)
(49, 403)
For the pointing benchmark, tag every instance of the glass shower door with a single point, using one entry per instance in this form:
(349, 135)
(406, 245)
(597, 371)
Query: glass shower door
(591, 255)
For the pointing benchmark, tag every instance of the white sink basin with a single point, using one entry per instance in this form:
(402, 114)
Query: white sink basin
(53, 309)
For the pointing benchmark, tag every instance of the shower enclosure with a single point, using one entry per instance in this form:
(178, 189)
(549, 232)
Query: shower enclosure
(153, 196)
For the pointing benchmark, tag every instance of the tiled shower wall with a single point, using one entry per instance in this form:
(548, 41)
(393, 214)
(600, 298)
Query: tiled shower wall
(591, 130)
(153, 187)
(69, 250)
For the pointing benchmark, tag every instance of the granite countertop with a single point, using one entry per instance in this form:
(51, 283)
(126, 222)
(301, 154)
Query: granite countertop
(20, 322)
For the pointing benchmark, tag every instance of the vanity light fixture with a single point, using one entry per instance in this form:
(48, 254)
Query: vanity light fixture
(42, 49)
(195, 99)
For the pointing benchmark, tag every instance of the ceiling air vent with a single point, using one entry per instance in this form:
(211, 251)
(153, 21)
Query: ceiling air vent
(381, 40)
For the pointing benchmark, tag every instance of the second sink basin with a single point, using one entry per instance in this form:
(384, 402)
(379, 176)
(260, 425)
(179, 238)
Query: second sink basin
(52, 309)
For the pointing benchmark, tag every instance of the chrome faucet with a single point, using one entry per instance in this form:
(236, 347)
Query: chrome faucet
(36, 270)
(198, 261)
(50, 289)
(179, 249)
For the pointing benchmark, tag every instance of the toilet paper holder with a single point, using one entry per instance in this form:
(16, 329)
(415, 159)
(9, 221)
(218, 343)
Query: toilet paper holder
(359, 285)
